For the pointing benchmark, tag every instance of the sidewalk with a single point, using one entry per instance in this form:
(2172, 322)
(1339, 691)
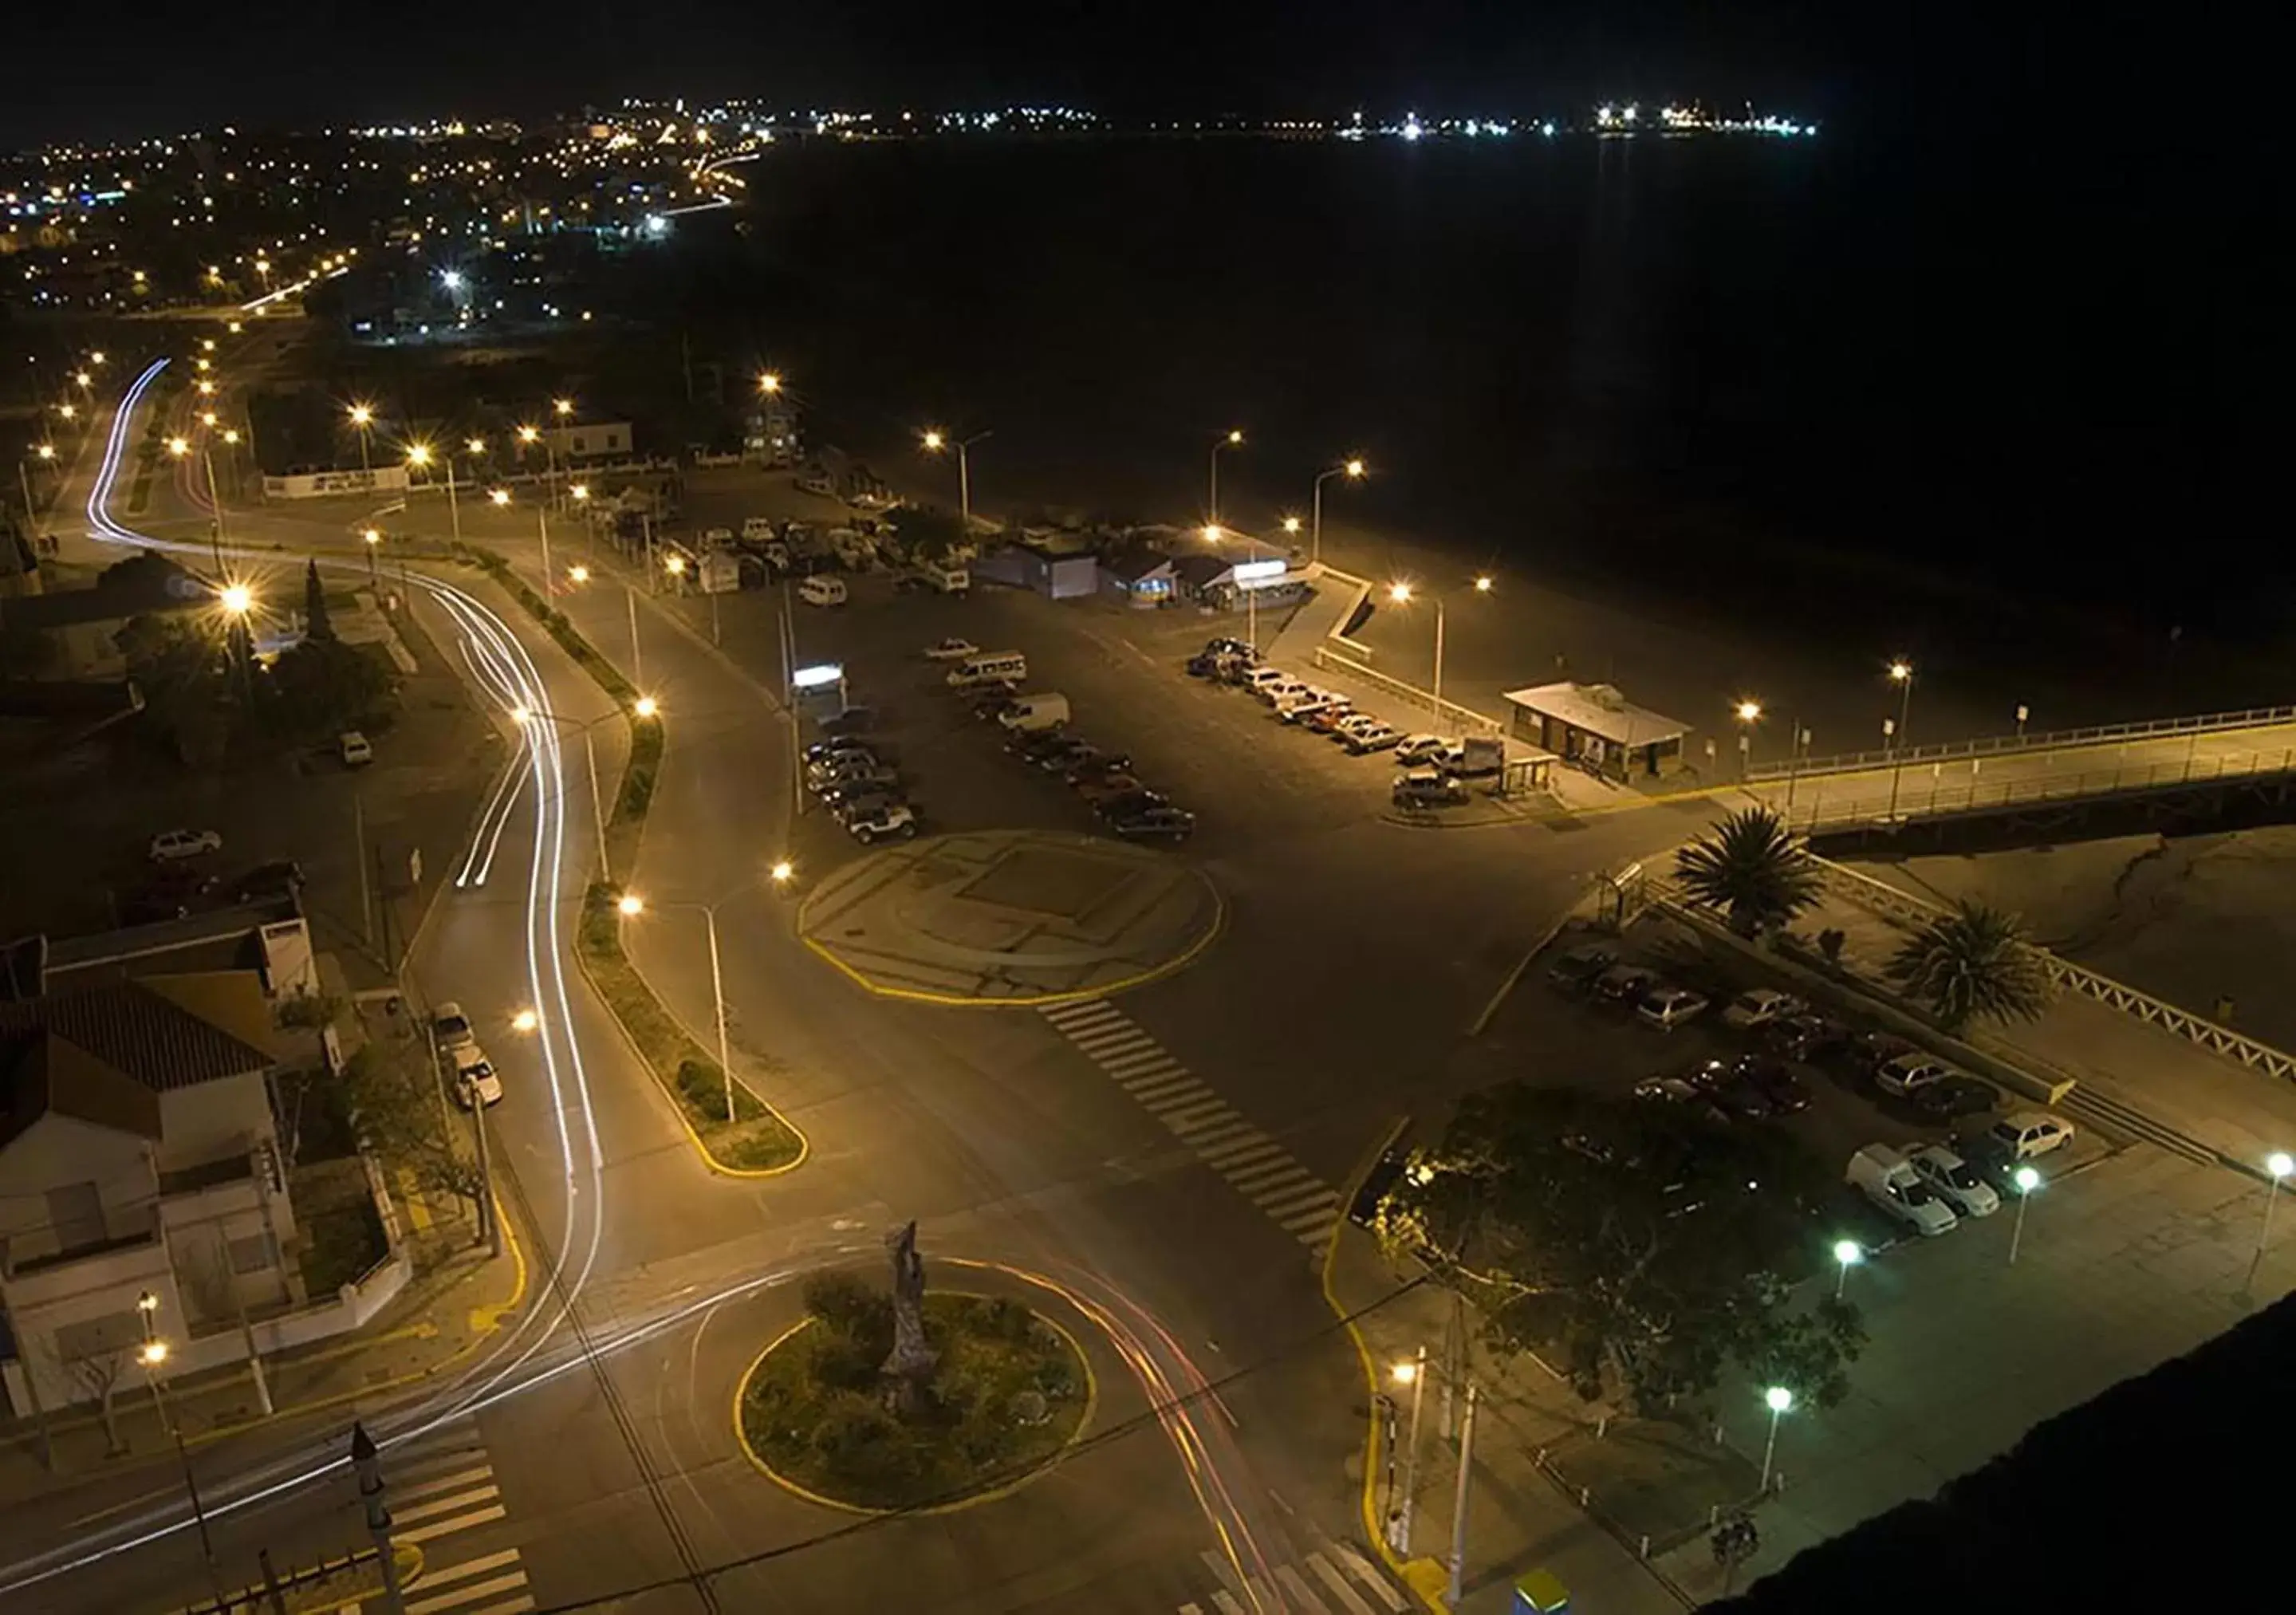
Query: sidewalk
(443, 1316)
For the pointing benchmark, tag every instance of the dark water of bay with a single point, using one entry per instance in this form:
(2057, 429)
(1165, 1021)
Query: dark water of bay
(1824, 388)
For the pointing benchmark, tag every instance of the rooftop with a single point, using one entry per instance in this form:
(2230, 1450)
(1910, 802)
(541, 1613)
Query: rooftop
(144, 1029)
(1599, 709)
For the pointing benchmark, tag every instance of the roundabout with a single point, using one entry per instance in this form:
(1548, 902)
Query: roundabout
(1010, 918)
(848, 1410)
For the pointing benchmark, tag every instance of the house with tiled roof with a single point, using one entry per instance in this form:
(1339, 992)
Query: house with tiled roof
(139, 1156)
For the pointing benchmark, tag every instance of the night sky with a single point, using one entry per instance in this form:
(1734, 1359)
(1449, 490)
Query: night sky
(137, 67)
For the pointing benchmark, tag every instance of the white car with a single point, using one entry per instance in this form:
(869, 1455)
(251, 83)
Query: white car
(1426, 787)
(169, 845)
(1761, 1006)
(475, 1082)
(1377, 738)
(1668, 1007)
(357, 750)
(1909, 1072)
(951, 650)
(2030, 1133)
(1889, 1180)
(1279, 689)
(1421, 747)
(450, 1029)
(1954, 1181)
(892, 820)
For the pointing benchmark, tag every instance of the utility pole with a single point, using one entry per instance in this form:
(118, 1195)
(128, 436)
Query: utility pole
(1459, 1500)
(1404, 1511)
(637, 658)
(549, 578)
(377, 1512)
(366, 899)
(489, 1218)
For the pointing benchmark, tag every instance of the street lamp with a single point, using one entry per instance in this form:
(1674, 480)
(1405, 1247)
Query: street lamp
(1353, 470)
(525, 1020)
(419, 455)
(782, 871)
(579, 573)
(523, 716)
(2027, 1181)
(936, 441)
(498, 496)
(1901, 673)
(631, 906)
(769, 383)
(373, 538)
(1778, 1399)
(1747, 712)
(1847, 1254)
(1232, 439)
(1403, 594)
(1414, 1373)
(2279, 1164)
(645, 706)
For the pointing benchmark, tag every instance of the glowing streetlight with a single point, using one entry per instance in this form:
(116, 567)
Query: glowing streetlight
(561, 407)
(630, 903)
(498, 496)
(1399, 593)
(231, 435)
(769, 383)
(154, 1353)
(2279, 1164)
(675, 565)
(477, 446)
(1212, 534)
(1291, 526)
(96, 358)
(1847, 1254)
(647, 707)
(1778, 1399)
(237, 599)
(782, 871)
(579, 573)
(1352, 469)
(1894, 734)
(372, 537)
(452, 279)
(525, 1020)
(2027, 1181)
(1231, 439)
(935, 441)
(207, 417)
(47, 451)
(529, 434)
(205, 387)
(361, 415)
(67, 412)
(178, 447)
(419, 455)
(579, 493)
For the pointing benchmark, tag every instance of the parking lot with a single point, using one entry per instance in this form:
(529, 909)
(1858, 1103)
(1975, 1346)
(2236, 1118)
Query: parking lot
(1569, 1034)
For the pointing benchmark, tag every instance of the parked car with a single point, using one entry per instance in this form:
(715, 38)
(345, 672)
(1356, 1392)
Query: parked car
(887, 819)
(1907, 1072)
(1668, 1007)
(1339, 713)
(1379, 737)
(1427, 788)
(1280, 688)
(831, 750)
(844, 764)
(1262, 678)
(1722, 1086)
(1869, 1051)
(1066, 755)
(1954, 1181)
(1130, 805)
(277, 877)
(353, 749)
(1787, 1094)
(170, 845)
(2032, 1133)
(475, 1082)
(1348, 725)
(1109, 788)
(1805, 1037)
(1625, 983)
(1098, 765)
(852, 788)
(1231, 647)
(1954, 1097)
(1206, 666)
(450, 1029)
(996, 702)
(170, 892)
(1575, 967)
(1889, 1180)
(1760, 1006)
(951, 650)
(1030, 744)
(1421, 747)
(1164, 824)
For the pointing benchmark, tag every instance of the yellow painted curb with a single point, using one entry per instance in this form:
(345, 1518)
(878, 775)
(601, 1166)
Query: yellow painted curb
(1172, 966)
(955, 1506)
(1373, 1525)
(487, 1319)
(804, 1145)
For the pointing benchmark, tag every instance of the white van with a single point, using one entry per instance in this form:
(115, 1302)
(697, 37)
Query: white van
(822, 591)
(760, 528)
(1030, 714)
(989, 667)
(948, 580)
(1889, 1180)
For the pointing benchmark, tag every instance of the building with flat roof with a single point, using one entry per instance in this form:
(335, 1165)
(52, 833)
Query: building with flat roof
(1598, 727)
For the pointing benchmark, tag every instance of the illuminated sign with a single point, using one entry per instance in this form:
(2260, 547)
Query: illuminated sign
(1260, 574)
(813, 678)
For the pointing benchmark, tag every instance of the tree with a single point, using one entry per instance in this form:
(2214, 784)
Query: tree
(930, 532)
(1750, 868)
(181, 667)
(392, 1095)
(316, 623)
(325, 686)
(1642, 1246)
(1974, 963)
(98, 1374)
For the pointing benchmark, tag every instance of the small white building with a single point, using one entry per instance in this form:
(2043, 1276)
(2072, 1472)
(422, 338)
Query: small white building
(594, 440)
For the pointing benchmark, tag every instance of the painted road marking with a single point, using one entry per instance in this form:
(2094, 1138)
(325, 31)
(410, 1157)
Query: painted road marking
(1345, 1576)
(1254, 1164)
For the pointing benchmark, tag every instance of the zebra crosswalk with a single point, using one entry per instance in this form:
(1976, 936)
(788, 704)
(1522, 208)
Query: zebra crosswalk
(1332, 1580)
(1260, 1170)
(442, 1483)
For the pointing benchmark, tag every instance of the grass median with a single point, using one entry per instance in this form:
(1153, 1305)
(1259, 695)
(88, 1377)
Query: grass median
(753, 1137)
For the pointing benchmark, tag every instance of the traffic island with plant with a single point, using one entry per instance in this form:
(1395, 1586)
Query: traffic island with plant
(905, 1400)
(747, 1136)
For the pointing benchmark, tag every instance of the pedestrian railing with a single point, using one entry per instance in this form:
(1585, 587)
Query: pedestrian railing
(1449, 714)
(2006, 745)
(1805, 806)
(1905, 909)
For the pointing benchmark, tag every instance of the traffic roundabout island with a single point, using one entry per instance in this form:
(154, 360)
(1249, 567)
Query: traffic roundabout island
(998, 1394)
(1010, 917)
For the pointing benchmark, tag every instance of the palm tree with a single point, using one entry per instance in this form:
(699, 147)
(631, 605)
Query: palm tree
(1750, 868)
(1973, 963)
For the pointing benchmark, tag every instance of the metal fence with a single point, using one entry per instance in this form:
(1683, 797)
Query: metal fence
(2006, 745)
(1467, 720)
(1810, 810)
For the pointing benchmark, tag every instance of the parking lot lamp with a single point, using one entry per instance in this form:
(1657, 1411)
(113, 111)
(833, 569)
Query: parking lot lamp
(2279, 1164)
(1231, 439)
(1901, 674)
(1778, 1399)
(363, 418)
(2027, 1181)
(1748, 711)
(1847, 1254)
(1350, 467)
(940, 442)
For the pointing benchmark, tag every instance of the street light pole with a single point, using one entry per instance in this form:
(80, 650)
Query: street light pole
(1350, 469)
(717, 992)
(638, 657)
(453, 508)
(2027, 1180)
(1847, 1254)
(1404, 1511)
(1778, 1399)
(1903, 672)
(1232, 439)
(549, 578)
(1459, 1499)
(2280, 1165)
